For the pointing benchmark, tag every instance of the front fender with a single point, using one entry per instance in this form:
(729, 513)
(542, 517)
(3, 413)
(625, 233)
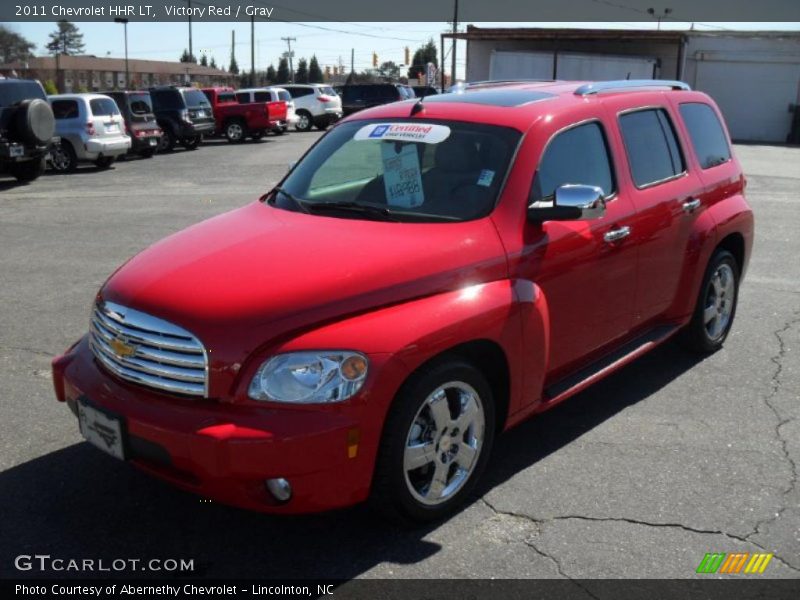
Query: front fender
(511, 314)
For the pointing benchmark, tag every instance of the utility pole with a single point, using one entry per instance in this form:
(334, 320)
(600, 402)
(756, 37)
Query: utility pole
(127, 72)
(455, 42)
(191, 54)
(252, 51)
(289, 55)
(352, 60)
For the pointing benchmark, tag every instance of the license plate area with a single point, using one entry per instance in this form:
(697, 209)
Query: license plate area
(16, 150)
(103, 429)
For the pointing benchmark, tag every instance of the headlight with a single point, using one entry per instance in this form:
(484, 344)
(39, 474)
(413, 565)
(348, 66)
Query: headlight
(306, 377)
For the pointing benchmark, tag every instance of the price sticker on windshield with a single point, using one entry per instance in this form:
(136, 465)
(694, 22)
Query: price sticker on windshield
(401, 175)
(404, 132)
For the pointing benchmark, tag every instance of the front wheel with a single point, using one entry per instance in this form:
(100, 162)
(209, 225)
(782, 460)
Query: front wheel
(436, 442)
(167, 141)
(716, 305)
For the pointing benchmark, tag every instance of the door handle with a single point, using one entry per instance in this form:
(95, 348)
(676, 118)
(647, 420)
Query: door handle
(691, 205)
(615, 235)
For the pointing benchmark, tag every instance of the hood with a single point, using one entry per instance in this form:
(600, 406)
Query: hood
(258, 273)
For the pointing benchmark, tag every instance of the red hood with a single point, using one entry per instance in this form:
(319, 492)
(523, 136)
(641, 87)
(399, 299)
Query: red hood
(249, 276)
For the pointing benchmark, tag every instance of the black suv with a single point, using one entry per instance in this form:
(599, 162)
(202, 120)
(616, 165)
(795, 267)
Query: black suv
(359, 96)
(26, 128)
(137, 110)
(184, 114)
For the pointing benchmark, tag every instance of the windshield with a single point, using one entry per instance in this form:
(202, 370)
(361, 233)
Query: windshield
(195, 98)
(140, 104)
(411, 170)
(15, 90)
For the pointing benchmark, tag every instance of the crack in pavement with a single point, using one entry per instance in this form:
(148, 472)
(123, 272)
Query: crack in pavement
(539, 522)
(29, 350)
(777, 360)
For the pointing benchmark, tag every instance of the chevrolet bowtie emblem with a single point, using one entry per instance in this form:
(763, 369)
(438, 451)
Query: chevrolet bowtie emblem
(122, 347)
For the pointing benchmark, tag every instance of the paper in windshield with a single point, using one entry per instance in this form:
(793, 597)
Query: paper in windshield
(401, 175)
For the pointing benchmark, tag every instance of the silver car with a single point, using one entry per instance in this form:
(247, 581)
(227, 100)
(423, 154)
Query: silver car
(91, 129)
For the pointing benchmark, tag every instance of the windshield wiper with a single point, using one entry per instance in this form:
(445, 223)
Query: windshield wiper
(369, 209)
(301, 204)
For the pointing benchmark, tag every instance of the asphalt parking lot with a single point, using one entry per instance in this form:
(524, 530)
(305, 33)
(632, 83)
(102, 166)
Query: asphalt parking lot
(639, 476)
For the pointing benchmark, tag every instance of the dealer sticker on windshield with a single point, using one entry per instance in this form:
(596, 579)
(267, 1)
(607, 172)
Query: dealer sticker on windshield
(401, 175)
(404, 132)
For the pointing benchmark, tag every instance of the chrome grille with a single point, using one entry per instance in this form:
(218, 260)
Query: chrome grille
(149, 351)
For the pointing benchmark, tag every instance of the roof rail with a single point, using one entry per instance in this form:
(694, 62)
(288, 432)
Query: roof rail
(629, 84)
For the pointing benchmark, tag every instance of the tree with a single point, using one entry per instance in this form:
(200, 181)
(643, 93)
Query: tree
(14, 47)
(422, 56)
(67, 39)
(272, 75)
(389, 69)
(301, 75)
(314, 72)
(213, 63)
(204, 60)
(50, 87)
(187, 58)
(283, 71)
(234, 66)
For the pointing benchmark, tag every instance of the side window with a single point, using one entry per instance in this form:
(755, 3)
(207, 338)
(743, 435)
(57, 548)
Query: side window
(65, 109)
(300, 92)
(577, 156)
(243, 97)
(708, 138)
(652, 146)
(262, 97)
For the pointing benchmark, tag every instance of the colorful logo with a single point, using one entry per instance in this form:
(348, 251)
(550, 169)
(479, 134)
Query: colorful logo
(734, 563)
(379, 131)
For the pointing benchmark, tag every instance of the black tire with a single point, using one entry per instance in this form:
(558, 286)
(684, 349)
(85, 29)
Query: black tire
(192, 143)
(147, 153)
(235, 131)
(322, 125)
(28, 170)
(279, 130)
(34, 122)
(701, 334)
(104, 162)
(392, 487)
(257, 135)
(304, 121)
(167, 141)
(63, 158)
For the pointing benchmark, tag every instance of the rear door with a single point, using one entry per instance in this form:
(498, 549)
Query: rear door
(664, 190)
(105, 115)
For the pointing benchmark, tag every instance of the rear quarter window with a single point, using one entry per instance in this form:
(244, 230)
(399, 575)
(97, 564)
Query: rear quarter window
(243, 97)
(652, 146)
(65, 109)
(262, 97)
(706, 133)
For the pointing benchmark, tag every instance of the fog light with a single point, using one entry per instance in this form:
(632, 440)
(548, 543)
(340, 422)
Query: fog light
(280, 489)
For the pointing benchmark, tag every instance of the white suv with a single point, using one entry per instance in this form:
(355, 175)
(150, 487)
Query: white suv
(271, 94)
(315, 104)
(91, 129)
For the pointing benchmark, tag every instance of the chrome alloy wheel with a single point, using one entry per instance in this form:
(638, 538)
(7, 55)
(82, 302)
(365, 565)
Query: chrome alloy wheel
(720, 300)
(444, 443)
(235, 132)
(59, 158)
(303, 122)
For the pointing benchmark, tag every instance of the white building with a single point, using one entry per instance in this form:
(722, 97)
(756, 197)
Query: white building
(753, 76)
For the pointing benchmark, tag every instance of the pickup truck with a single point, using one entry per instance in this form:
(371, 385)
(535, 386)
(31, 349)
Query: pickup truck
(238, 121)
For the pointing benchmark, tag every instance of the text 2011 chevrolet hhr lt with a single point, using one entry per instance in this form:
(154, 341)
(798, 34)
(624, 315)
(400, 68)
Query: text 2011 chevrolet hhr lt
(429, 274)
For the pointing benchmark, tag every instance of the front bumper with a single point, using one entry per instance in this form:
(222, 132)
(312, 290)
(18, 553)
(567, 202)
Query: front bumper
(224, 451)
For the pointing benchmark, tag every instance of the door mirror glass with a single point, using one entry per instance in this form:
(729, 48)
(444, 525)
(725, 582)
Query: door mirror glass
(571, 202)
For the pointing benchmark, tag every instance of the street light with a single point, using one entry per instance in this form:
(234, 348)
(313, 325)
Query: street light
(127, 74)
(652, 12)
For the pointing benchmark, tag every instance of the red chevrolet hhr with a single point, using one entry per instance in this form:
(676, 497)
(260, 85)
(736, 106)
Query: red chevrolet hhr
(429, 274)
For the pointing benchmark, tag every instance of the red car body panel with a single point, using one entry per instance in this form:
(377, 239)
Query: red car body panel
(552, 297)
(258, 116)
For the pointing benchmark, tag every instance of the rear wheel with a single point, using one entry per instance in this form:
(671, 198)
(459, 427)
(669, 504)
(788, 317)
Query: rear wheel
(436, 442)
(104, 162)
(716, 305)
(304, 121)
(147, 153)
(257, 135)
(192, 143)
(28, 170)
(63, 158)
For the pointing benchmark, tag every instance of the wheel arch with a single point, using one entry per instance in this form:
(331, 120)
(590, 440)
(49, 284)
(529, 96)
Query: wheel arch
(735, 244)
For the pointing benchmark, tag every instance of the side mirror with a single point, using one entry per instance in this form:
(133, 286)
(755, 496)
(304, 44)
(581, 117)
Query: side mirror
(571, 202)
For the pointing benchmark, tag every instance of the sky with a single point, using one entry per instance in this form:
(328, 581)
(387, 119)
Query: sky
(166, 41)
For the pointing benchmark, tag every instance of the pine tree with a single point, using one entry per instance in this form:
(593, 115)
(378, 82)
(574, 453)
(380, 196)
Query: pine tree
(283, 71)
(314, 72)
(204, 60)
(422, 56)
(234, 66)
(301, 75)
(213, 63)
(272, 75)
(66, 40)
(14, 47)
